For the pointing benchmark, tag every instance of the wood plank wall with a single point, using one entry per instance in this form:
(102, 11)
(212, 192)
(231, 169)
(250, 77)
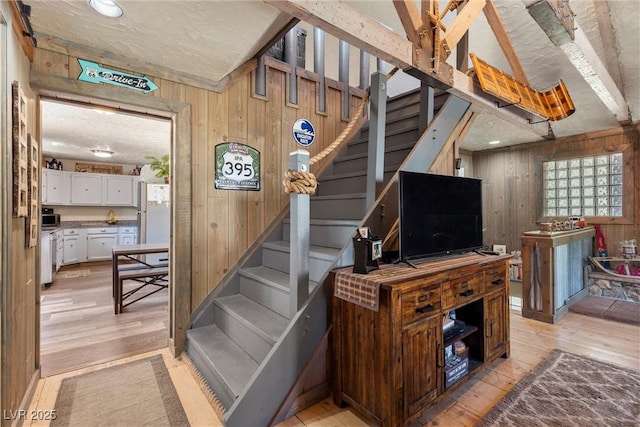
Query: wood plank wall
(512, 186)
(20, 282)
(226, 223)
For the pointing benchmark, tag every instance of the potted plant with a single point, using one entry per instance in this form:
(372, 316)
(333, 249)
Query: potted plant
(160, 166)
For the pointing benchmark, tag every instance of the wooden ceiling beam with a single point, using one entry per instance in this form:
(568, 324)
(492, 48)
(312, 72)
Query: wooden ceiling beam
(22, 30)
(466, 15)
(498, 28)
(410, 19)
(359, 30)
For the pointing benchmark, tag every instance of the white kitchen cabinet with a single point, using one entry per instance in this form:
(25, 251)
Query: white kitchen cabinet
(100, 241)
(86, 189)
(127, 236)
(118, 190)
(75, 245)
(59, 259)
(52, 187)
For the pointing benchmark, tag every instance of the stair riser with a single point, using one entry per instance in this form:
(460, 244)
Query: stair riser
(337, 208)
(391, 159)
(280, 261)
(246, 337)
(330, 236)
(404, 124)
(391, 141)
(205, 367)
(272, 298)
(354, 184)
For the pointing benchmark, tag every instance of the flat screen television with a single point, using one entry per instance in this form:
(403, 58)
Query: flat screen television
(439, 215)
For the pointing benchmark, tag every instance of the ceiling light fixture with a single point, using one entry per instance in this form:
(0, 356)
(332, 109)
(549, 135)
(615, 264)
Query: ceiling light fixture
(107, 8)
(102, 153)
(494, 142)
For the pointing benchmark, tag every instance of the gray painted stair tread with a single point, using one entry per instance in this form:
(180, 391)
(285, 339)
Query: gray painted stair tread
(330, 222)
(330, 177)
(247, 310)
(314, 251)
(231, 361)
(275, 278)
(358, 156)
(340, 196)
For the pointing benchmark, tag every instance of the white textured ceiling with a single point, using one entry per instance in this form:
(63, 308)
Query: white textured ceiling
(209, 39)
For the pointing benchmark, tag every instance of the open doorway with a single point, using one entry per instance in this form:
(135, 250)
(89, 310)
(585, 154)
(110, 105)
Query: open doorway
(78, 326)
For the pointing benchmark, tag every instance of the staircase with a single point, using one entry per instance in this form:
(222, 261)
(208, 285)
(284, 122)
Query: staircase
(246, 323)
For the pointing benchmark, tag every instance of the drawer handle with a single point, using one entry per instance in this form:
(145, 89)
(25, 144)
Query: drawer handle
(498, 282)
(466, 293)
(425, 309)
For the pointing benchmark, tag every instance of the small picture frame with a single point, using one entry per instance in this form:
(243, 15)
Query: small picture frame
(501, 249)
(376, 249)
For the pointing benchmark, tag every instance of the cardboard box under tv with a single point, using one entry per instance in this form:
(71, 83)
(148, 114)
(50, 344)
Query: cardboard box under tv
(553, 271)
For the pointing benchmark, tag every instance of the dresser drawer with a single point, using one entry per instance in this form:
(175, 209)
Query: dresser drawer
(495, 277)
(461, 290)
(421, 303)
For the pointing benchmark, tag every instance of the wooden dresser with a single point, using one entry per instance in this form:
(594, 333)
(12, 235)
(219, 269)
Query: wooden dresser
(390, 363)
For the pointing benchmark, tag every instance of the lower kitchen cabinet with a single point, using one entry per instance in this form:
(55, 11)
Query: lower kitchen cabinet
(99, 243)
(393, 364)
(75, 245)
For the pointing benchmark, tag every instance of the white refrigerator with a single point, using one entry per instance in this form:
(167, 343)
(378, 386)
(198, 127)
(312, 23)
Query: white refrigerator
(154, 218)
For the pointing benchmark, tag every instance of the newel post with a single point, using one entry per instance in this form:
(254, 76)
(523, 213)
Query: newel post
(299, 237)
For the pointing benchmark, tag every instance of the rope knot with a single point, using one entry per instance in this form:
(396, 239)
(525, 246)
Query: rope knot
(299, 182)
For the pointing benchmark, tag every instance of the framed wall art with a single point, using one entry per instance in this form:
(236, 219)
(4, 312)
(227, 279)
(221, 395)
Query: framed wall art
(33, 195)
(20, 152)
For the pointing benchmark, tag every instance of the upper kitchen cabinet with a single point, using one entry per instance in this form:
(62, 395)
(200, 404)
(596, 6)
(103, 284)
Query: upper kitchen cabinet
(52, 187)
(86, 189)
(118, 190)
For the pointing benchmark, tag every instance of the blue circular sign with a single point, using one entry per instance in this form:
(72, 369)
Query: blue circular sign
(303, 132)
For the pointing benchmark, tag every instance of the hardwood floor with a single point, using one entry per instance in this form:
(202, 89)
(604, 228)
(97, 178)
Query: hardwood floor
(531, 341)
(79, 328)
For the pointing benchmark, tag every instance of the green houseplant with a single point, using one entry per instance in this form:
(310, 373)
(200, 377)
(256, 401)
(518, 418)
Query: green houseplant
(160, 166)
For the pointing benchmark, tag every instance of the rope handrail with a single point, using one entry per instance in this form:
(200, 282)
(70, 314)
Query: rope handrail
(305, 182)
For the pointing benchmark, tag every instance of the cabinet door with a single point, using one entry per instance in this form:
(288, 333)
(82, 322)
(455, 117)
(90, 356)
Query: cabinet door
(420, 348)
(51, 187)
(71, 249)
(495, 324)
(86, 189)
(99, 247)
(118, 190)
(127, 239)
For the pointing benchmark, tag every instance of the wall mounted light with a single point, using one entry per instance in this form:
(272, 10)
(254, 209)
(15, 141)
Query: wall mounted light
(107, 8)
(102, 153)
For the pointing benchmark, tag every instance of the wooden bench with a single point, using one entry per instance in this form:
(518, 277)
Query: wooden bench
(155, 275)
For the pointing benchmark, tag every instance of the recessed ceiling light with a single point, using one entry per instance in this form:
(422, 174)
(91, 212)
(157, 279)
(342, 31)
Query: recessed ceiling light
(494, 142)
(107, 8)
(102, 153)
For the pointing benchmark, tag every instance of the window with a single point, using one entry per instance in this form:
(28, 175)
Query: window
(586, 186)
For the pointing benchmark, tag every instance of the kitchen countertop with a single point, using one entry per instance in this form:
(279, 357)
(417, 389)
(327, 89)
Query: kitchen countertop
(88, 224)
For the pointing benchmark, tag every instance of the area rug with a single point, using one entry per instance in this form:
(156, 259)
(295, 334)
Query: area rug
(566, 389)
(136, 394)
(72, 274)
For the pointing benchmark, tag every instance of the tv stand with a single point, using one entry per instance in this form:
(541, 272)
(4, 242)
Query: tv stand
(390, 364)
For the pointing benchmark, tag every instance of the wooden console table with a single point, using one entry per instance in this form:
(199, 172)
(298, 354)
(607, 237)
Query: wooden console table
(553, 271)
(390, 362)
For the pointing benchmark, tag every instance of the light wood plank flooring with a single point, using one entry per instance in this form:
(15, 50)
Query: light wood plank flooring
(531, 341)
(79, 328)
